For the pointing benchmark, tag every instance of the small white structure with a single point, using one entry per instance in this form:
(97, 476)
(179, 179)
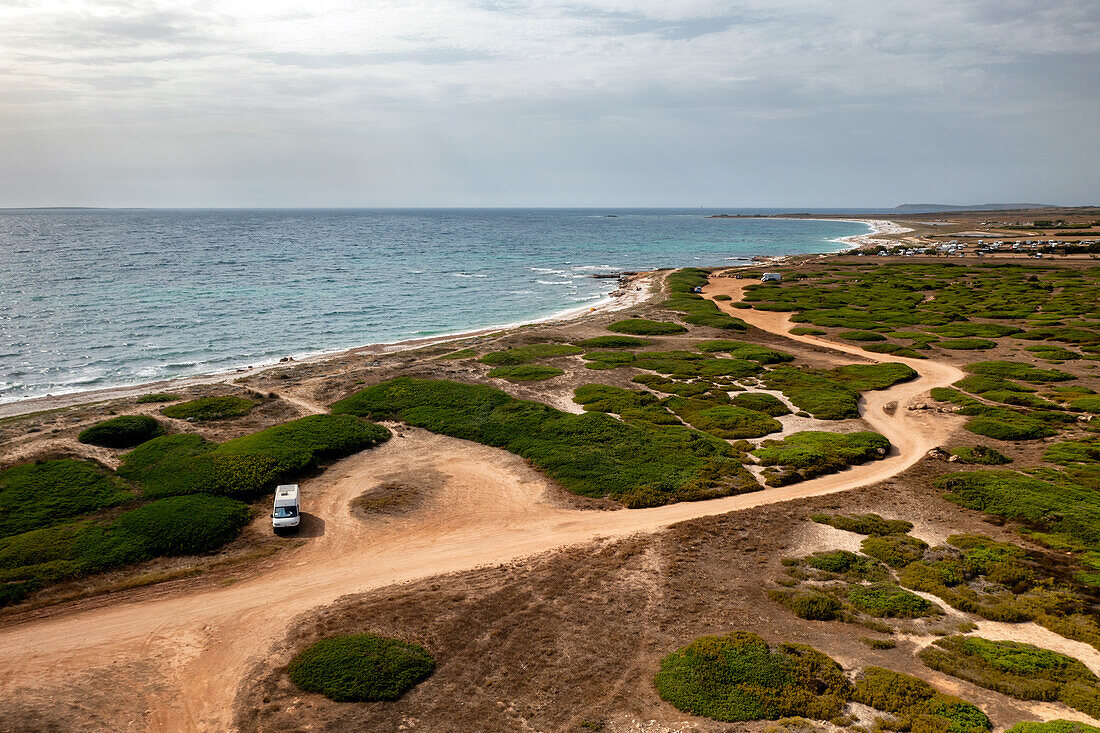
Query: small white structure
(286, 513)
(771, 277)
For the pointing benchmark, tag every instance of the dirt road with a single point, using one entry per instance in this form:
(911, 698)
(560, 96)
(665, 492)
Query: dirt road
(175, 663)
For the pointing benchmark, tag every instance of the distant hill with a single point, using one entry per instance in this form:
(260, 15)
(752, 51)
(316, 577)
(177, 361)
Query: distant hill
(925, 208)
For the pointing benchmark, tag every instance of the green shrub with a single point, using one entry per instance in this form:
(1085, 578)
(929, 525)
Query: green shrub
(861, 336)
(184, 525)
(209, 408)
(605, 398)
(896, 550)
(1091, 403)
(745, 350)
(810, 453)
(724, 421)
(614, 342)
(525, 372)
(761, 402)
(810, 605)
(1052, 352)
(888, 600)
(864, 523)
(607, 359)
(894, 349)
(124, 431)
(1018, 370)
(979, 384)
(157, 397)
(916, 704)
(1021, 670)
(1054, 726)
(722, 296)
(1005, 424)
(737, 677)
(983, 330)
(1069, 452)
(528, 354)
(966, 344)
(807, 331)
(981, 455)
(361, 668)
(591, 454)
(834, 394)
(644, 327)
(250, 465)
(35, 495)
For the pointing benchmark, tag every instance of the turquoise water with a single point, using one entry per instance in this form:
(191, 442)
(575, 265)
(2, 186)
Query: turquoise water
(91, 299)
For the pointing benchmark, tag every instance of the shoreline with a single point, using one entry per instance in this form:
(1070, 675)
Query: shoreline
(636, 290)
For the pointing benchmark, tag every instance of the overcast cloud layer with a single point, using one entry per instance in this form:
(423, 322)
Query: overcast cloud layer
(518, 103)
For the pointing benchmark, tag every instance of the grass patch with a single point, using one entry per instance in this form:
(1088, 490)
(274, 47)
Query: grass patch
(157, 397)
(124, 431)
(1054, 726)
(861, 336)
(811, 453)
(724, 421)
(1090, 403)
(894, 350)
(591, 454)
(980, 455)
(614, 342)
(761, 402)
(526, 372)
(896, 550)
(868, 524)
(981, 330)
(36, 495)
(209, 408)
(833, 394)
(888, 600)
(607, 359)
(1020, 670)
(1050, 352)
(807, 331)
(745, 350)
(917, 705)
(973, 344)
(1018, 370)
(528, 354)
(645, 327)
(738, 677)
(361, 668)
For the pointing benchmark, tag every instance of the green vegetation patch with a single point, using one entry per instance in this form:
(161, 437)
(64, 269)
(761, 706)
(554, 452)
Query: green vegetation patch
(688, 365)
(124, 431)
(361, 668)
(861, 336)
(980, 330)
(738, 677)
(893, 349)
(528, 354)
(896, 550)
(811, 453)
(888, 600)
(833, 394)
(697, 310)
(607, 359)
(966, 344)
(1050, 352)
(1069, 452)
(645, 327)
(1002, 423)
(1091, 403)
(591, 454)
(209, 408)
(248, 466)
(36, 495)
(614, 342)
(1018, 370)
(980, 455)
(745, 350)
(1023, 671)
(460, 354)
(1054, 726)
(807, 331)
(724, 421)
(525, 372)
(916, 705)
(157, 397)
(761, 402)
(864, 523)
(628, 404)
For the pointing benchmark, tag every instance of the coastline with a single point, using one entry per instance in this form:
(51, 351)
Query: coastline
(636, 290)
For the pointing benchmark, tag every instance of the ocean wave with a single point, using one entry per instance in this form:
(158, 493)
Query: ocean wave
(554, 282)
(467, 274)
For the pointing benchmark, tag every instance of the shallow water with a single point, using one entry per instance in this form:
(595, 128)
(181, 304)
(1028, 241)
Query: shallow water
(98, 298)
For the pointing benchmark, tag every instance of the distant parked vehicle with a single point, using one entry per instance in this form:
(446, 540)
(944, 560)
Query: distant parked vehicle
(286, 513)
(771, 277)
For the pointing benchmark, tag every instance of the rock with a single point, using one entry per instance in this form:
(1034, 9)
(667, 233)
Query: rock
(953, 459)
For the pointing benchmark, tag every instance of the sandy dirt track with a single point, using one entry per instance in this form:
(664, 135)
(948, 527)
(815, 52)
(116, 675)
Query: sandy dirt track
(175, 663)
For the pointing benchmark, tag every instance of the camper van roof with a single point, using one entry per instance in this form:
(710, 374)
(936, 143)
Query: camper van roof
(286, 491)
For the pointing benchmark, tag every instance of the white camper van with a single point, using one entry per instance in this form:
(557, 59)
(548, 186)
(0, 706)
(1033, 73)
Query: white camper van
(286, 514)
(770, 277)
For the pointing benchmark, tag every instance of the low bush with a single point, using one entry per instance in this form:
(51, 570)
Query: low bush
(1070, 452)
(896, 550)
(614, 342)
(606, 398)
(861, 336)
(871, 524)
(811, 453)
(1018, 370)
(607, 359)
(888, 600)
(724, 421)
(1050, 352)
(1021, 670)
(807, 331)
(591, 454)
(645, 327)
(1005, 424)
(809, 604)
(980, 383)
(916, 704)
(745, 350)
(361, 668)
(209, 408)
(124, 431)
(981, 455)
(738, 677)
(1090, 403)
(36, 495)
(834, 394)
(761, 402)
(982, 330)
(157, 397)
(1054, 726)
(525, 372)
(894, 350)
(184, 525)
(528, 354)
(966, 344)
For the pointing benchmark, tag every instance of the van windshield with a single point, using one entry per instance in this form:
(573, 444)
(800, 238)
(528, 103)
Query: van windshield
(281, 512)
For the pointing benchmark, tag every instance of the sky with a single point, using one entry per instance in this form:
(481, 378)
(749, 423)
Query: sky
(785, 103)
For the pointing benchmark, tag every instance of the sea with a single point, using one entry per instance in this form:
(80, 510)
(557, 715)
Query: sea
(96, 298)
